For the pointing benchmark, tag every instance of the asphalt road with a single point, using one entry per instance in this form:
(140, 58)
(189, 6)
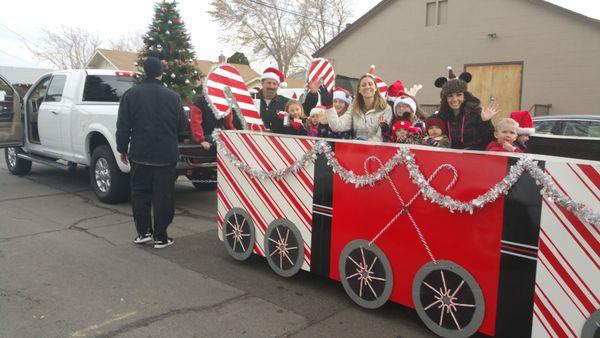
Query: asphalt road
(68, 268)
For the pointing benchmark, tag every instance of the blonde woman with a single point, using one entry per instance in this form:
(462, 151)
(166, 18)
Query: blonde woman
(363, 117)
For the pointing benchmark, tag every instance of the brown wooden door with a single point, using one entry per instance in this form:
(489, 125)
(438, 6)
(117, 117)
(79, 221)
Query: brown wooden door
(499, 81)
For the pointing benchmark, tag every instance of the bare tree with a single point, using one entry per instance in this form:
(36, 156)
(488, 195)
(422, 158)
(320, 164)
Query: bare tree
(327, 19)
(131, 42)
(271, 28)
(69, 47)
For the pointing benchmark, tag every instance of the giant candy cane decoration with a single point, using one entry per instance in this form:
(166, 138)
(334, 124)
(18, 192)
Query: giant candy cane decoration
(226, 91)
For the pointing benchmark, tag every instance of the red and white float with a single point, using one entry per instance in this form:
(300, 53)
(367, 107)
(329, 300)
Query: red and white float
(473, 241)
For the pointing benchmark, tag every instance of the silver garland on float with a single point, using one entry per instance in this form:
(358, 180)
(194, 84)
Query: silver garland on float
(404, 156)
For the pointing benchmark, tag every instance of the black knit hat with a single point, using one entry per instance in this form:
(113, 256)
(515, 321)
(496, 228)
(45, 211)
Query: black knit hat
(153, 67)
(452, 84)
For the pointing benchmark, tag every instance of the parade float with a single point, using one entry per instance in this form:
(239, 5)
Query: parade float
(505, 245)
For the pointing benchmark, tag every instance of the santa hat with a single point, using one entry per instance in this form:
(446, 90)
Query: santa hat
(407, 100)
(395, 90)
(371, 71)
(342, 94)
(452, 84)
(523, 118)
(437, 122)
(274, 74)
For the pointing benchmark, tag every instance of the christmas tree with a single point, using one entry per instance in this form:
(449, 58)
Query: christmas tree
(168, 40)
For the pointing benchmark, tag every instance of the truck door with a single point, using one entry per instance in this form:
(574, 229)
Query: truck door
(49, 115)
(11, 124)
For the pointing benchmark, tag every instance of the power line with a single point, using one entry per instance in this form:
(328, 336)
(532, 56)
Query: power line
(17, 34)
(16, 57)
(293, 13)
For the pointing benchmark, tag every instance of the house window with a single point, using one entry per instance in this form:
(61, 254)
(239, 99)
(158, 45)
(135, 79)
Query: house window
(436, 13)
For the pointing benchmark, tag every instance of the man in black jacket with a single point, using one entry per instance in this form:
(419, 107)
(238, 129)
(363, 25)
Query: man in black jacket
(150, 118)
(271, 103)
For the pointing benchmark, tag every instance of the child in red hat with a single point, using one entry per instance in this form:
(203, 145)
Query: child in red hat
(525, 129)
(436, 133)
(404, 132)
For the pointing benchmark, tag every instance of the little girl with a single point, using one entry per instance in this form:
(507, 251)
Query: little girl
(405, 108)
(341, 103)
(403, 132)
(293, 118)
(312, 122)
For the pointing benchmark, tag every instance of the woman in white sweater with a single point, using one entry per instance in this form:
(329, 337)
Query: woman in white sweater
(367, 111)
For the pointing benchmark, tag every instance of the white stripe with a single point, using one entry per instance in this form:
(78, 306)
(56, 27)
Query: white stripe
(223, 101)
(228, 74)
(544, 321)
(575, 258)
(322, 206)
(519, 255)
(253, 120)
(564, 324)
(572, 251)
(545, 277)
(519, 244)
(221, 86)
(572, 185)
(316, 69)
(320, 213)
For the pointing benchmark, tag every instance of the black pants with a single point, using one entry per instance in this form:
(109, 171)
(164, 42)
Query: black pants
(152, 188)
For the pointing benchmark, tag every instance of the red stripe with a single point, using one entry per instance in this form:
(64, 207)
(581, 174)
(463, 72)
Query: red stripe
(591, 173)
(542, 323)
(549, 318)
(573, 271)
(281, 184)
(228, 81)
(556, 311)
(566, 277)
(531, 252)
(318, 73)
(313, 65)
(560, 284)
(571, 233)
(308, 184)
(290, 159)
(248, 207)
(297, 207)
(298, 204)
(582, 181)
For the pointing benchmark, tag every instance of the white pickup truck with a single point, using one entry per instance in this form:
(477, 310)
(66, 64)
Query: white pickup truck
(68, 118)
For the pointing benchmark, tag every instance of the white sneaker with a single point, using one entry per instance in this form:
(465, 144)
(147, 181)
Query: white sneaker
(141, 239)
(163, 244)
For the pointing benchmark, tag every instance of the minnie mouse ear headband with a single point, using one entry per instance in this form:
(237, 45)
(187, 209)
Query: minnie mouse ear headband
(451, 84)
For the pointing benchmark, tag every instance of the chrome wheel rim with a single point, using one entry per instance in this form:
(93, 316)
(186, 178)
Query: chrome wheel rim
(12, 157)
(102, 174)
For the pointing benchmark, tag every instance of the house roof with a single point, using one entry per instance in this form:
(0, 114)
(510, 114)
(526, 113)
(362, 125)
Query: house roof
(22, 75)
(384, 3)
(126, 61)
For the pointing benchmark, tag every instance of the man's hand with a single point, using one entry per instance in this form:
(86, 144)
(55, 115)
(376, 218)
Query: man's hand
(124, 159)
(313, 87)
(326, 96)
(205, 145)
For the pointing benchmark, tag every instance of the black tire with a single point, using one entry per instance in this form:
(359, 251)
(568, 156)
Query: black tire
(16, 165)
(204, 186)
(109, 183)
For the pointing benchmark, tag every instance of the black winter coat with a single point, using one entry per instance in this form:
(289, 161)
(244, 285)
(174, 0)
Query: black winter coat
(150, 118)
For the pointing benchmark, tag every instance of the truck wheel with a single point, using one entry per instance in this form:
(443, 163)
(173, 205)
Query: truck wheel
(16, 165)
(204, 186)
(109, 183)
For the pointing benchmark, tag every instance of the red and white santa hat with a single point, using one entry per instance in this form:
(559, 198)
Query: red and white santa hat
(523, 118)
(407, 100)
(395, 90)
(342, 94)
(274, 74)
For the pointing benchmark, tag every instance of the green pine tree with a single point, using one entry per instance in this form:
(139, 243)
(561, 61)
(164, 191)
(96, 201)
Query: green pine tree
(239, 58)
(168, 40)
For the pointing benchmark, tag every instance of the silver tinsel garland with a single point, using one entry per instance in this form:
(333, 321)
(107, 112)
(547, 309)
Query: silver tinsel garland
(404, 156)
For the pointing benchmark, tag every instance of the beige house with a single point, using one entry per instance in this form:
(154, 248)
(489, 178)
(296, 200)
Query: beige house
(527, 54)
(120, 60)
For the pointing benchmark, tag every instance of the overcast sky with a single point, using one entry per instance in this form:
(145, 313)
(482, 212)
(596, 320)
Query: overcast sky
(21, 20)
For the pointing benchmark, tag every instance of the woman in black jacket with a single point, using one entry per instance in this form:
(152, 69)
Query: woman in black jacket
(467, 124)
